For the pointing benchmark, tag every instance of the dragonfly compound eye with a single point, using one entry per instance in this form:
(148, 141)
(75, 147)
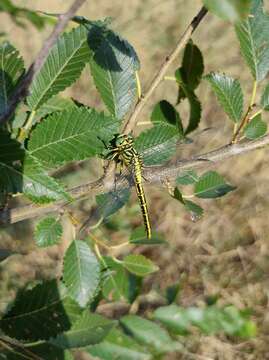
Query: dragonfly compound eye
(124, 140)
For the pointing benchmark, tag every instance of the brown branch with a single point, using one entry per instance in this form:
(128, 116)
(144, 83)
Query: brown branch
(21, 90)
(131, 122)
(154, 175)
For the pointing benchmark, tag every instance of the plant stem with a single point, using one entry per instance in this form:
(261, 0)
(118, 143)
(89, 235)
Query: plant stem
(21, 91)
(170, 78)
(246, 118)
(254, 93)
(256, 114)
(131, 122)
(24, 130)
(154, 175)
(138, 84)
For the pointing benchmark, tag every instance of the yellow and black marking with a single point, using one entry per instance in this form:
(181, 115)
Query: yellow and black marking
(123, 151)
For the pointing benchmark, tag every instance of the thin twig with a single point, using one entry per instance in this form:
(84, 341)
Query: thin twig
(131, 122)
(154, 175)
(247, 117)
(21, 90)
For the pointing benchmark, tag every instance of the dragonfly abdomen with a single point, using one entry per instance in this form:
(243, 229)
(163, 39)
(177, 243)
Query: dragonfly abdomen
(137, 163)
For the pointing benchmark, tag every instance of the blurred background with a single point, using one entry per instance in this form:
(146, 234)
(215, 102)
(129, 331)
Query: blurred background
(224, 254)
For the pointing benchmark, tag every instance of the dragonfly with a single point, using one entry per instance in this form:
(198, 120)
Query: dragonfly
(134, 156)
(122, 150)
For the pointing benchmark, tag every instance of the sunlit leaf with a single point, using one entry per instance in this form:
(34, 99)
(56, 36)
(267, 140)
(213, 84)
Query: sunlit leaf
(157, 144)
(232, 10)
(139, 265)
(113, 67)
(70, 135)
(212, 185)
(255, 128)
(139, 236)
(37, 185)
(149, 333)
(48, 232)
(187, 178)
(62, 67)
(120, 346)
(265, 98)
(81, 273)
(115, 283)
(89, 329)
(229, 94)
(252, 34)
(209, 320)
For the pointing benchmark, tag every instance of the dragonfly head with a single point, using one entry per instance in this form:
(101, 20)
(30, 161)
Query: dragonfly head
(124, 141)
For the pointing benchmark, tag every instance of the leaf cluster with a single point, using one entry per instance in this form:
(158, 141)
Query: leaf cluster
(49, 132)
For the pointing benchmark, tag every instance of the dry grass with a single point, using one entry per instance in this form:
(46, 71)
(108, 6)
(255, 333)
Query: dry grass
(224, 253)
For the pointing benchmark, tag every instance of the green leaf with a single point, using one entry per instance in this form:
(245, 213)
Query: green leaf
(212, 185)
(18, 14)
(32, 17)
(157, 144)
(37, 185)
(265, 98)
(118, 346)
(31, 179)
(71, 135)
(255, 128)
(7, 5)
(113, 67)
(89, 329)
(195, 210)
(55, 104)
(139, 265)
(62, 67)
(165, 113)
(139, 236)
(229, 94)
(187, 178)
(81, 273)
(252, 34)
(40, 313)
(174, 317)
(232, 10)
(11, 69)
(191, 70)
(195, 112)
(171, 293)
(116, 283)
(209, 320)
(188, 77)
(178, 195)
(10, 149)
(149, 333)
(10, 152)
(194, 104)
(48, 232)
